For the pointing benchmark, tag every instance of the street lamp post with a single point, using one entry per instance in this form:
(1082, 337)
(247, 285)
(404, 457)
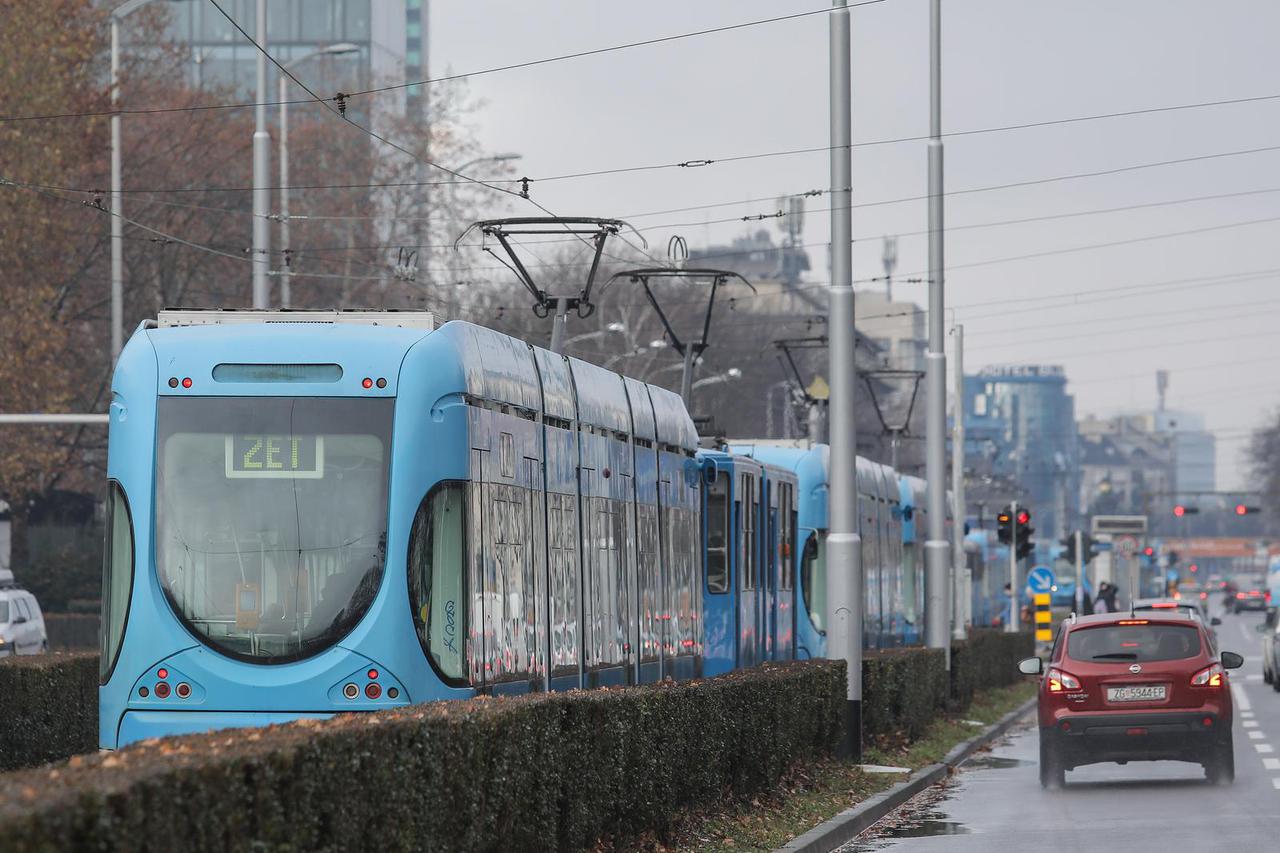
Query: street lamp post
(332, 50)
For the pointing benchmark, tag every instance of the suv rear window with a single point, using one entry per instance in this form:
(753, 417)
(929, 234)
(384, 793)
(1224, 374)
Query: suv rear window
(1153, 642)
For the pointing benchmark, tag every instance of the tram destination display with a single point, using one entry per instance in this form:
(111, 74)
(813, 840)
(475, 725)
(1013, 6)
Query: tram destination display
(267, 456)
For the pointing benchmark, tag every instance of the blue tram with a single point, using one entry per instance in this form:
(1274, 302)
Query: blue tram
(318, 512)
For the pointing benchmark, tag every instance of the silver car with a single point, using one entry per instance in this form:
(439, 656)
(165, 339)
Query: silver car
(22, 630)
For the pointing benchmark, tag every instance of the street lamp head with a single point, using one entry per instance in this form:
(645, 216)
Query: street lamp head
(616, 327)
(658, 343)
(509, 155)
(340, 49)
(734, 373)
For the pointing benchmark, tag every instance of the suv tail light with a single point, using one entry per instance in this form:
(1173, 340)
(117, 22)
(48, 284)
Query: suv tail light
(1059, 681)
(1210, 676)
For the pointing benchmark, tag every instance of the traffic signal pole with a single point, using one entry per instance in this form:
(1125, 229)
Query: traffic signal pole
(844, 545)
(1011, 626)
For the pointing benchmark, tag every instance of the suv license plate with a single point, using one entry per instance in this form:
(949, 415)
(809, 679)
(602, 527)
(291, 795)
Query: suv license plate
(1144, 693)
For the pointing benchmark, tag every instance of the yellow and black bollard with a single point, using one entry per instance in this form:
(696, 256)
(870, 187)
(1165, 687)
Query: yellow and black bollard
(1043, 617)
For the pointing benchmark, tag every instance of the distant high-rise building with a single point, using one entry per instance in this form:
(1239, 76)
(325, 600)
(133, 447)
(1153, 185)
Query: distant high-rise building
(390, 36)
(1020, 441)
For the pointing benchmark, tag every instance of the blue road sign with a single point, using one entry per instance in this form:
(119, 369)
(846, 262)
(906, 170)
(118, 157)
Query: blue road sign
(1040, 579)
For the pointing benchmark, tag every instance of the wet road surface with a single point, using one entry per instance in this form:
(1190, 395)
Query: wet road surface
(995, 802)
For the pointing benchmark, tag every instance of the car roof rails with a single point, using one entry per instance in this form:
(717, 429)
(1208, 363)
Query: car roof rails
(6, 579)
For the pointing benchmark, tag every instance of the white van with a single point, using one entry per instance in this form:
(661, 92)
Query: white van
(21, 622)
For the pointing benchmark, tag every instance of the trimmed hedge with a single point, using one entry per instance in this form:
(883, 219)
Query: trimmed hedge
(48, 708)
(903, 690)
(69, 631)
(987, 659)
(535, 772)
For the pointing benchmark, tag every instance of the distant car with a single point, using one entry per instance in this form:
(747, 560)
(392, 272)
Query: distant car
(21, 622)
(1270, 631)
(1119, 688)
(1250, 593)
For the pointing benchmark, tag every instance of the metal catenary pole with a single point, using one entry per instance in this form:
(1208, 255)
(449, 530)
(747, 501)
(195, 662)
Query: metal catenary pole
(261, 168)
(1079, 572)
(960, 574)
(117, 207)
(936, 547)
(1011, 626)
(286, 268)
(844, 545)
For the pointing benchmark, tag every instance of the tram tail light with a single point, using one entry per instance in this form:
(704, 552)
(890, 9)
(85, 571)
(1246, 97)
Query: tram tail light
(372, 690)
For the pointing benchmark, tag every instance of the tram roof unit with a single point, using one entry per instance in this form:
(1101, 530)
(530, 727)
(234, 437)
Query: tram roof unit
(177, 317)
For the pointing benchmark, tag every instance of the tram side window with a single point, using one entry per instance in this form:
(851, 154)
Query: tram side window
(718, 535)
(117, 577)
(813, 578)
(437, 549)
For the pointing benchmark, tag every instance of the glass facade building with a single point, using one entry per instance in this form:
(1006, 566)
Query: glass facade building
(1020, 431)
(390, 37)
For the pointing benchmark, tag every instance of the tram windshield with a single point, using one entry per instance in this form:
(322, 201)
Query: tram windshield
(271, 518)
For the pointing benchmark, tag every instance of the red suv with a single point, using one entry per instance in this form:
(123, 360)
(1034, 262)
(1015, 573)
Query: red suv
(1124, 688)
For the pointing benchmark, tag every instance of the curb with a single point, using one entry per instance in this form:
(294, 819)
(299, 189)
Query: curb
(852, 822)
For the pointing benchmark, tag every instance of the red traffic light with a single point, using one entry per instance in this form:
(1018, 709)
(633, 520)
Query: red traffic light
(1241, 509)
(1194, 568)
(1179, 510)
(1149, 551)
(1024, 517)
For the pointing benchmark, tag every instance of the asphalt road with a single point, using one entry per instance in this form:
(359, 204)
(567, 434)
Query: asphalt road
(995, 803)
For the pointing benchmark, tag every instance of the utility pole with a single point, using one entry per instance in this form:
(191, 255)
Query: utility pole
(844, 545)
(1079, 572)
(937, 564)
(960, 575)
(261, 167)
(1011, 626)
(117, 212)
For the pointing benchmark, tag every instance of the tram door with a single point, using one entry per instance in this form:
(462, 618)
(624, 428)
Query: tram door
(784, 614)
(769, 574)
(747, 509)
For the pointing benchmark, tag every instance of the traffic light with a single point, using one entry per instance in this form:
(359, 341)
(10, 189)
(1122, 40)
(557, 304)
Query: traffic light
(1004, 526)
(1244, 509)
(1173, 558)
(1069, 548)
(1024, 528)
(1148, 551)
(1193, 568)
(1180, 510)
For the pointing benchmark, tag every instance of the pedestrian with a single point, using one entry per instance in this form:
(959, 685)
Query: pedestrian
(1109, 595)
(1102, 604)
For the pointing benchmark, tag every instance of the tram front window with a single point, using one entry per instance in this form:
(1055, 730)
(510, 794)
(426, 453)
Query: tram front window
(271, 518)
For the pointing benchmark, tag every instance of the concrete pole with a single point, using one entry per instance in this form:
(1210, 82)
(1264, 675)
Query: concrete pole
(960, 575)
(1011, 626)
(936, 558)
(261, 169)
(117, 207)
(286, 269)
(844, 545)
(558, 325)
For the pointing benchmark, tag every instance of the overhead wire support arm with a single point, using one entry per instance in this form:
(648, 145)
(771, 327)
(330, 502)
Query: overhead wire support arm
(690, 350)
(594, 231)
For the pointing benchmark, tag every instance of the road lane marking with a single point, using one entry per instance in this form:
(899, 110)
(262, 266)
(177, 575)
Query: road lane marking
(1253, 676)
(1271, 763)
(1255, 735)
(1275, 783)
(1241, 699)
(1264, 747)
(1243, 632)
(1246, 714)
(1250, 724)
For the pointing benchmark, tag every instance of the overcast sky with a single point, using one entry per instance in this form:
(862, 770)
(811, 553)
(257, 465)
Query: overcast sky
(1005, 62)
